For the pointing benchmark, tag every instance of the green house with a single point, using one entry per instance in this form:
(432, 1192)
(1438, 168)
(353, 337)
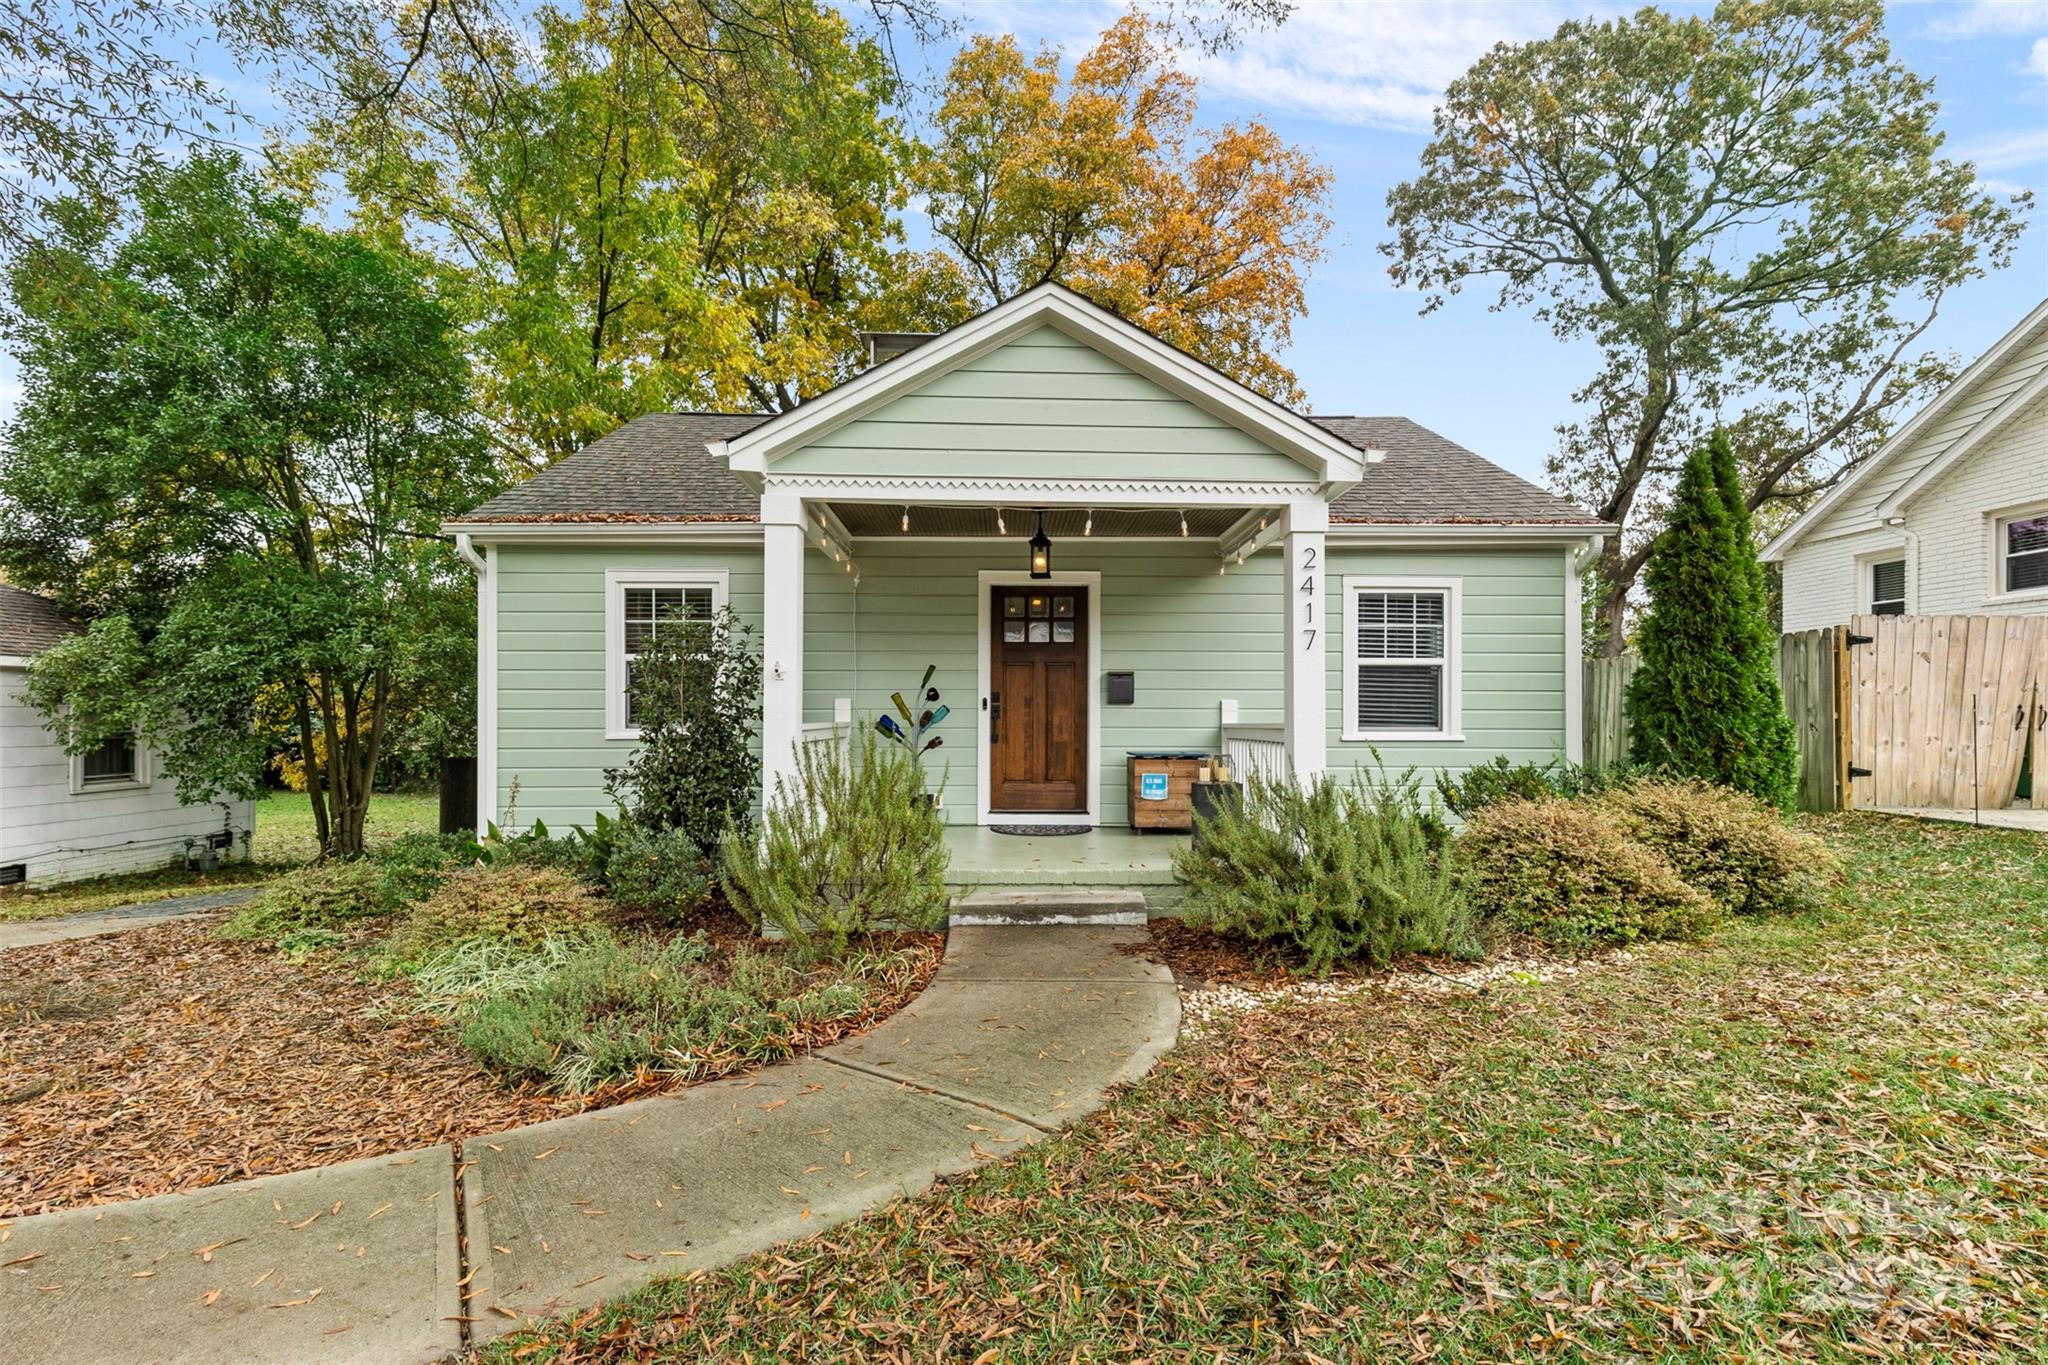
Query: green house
(1226, 577)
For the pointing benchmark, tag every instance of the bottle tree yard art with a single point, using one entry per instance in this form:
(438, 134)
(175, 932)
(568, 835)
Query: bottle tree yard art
(912, 729)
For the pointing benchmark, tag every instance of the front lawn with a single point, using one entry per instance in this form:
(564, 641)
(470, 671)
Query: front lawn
(1815, 1136)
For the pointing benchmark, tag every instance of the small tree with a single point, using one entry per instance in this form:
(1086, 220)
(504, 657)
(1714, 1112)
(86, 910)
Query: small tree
(1706, 702)
(696, 699)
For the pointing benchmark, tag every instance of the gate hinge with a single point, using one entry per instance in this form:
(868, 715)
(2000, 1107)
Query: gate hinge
(1855, 639)
(1855, 771)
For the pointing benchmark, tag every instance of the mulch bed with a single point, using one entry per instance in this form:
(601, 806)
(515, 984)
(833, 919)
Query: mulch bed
(168, 1059)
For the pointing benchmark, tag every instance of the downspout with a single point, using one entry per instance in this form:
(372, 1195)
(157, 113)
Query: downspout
(465, 550)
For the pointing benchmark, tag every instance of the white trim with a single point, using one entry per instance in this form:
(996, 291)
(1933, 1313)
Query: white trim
(1574, 657)
(1866, 579)
(1999, 593)
(1305, 638)
(623, 532)
(140, 781)
(1906, 435)
(14, 660)
(1329, 458)
(1453, 589)
(487, 695)
(986, 579)
(954, 490)
(1987, 426)
(616, 581)
(1391, 535)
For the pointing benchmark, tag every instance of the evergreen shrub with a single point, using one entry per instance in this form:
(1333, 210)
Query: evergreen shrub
(1726, 845)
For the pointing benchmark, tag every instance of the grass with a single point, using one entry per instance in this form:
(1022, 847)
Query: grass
(1817, 1137)
(283, 839)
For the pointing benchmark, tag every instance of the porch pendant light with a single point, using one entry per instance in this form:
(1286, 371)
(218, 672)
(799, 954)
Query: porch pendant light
(1041, 551)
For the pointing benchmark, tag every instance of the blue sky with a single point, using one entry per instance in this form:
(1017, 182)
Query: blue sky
(1354, 84)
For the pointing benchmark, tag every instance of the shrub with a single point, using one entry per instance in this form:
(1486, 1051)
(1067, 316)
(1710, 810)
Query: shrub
(1729, 846)
(511, 903)
(657, 873)
(610, 1008)
(1494, 781)
(1569, 873)
(297, 945)
(1338, 873)
(696, 696)
(845, 848)
(414, 865)
(319, 896)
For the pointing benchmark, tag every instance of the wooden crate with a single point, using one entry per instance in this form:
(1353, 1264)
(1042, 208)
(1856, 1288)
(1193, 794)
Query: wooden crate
(1173, 812)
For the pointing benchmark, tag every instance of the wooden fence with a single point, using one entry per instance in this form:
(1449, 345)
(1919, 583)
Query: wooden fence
(1811, 675)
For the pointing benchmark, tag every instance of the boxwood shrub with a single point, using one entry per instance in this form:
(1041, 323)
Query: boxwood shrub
(1727, 845)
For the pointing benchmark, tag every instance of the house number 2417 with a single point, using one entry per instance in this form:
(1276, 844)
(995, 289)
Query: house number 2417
(1308, 596)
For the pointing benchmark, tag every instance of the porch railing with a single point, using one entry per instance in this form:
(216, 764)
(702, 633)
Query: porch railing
(828, 732)
(1260, 749)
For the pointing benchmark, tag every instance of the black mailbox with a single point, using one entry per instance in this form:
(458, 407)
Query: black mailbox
(1123, 688)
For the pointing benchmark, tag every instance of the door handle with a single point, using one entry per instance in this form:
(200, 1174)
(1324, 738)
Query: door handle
(995, 715)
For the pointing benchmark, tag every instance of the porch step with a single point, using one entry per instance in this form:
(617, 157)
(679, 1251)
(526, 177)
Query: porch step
(1049, 907)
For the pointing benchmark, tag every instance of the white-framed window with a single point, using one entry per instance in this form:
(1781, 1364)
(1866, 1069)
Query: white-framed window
(1401, 658)
(120, 764)
(638, 605)
(2023, 552)
(1885, 586)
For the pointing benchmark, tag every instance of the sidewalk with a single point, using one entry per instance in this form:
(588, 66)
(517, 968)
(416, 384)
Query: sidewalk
(1021, 1033)
(91, 923)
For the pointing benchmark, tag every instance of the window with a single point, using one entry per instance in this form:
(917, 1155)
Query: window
(640, 606)
(1888, 587)
(2023, 545)
(117, 763)
(1401, 659)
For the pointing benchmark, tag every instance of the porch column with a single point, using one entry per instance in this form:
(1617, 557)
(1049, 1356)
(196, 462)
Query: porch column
(782, 636)
(1310, 615)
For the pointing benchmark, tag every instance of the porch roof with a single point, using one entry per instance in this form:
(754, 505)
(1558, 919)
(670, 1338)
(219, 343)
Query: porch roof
(658, 469)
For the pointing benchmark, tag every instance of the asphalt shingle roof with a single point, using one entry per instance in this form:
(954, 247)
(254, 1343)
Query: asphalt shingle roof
(655, 468)
(30, 623)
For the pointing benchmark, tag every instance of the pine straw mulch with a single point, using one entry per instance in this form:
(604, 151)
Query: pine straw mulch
(168, 1059)
(1203, 959)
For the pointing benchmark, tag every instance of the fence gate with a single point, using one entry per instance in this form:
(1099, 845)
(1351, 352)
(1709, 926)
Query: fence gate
(1941, 710)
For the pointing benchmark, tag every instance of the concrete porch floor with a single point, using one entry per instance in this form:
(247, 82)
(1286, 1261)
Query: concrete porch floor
(1110, 856)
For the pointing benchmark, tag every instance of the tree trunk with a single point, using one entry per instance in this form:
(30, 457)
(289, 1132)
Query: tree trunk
(309, 767)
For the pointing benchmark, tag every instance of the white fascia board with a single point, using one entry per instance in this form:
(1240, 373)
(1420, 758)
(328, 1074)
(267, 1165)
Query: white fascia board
(13, 661)
(1334, 462)
(1991, 423)
(610, 532)
(1782, 543)
(1404, 534)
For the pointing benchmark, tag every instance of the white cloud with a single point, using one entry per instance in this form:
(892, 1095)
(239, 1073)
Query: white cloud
(1983, 17)
(2037, 60)
(2006, 151)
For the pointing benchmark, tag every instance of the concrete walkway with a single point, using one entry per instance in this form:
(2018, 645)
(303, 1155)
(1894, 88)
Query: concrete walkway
(92, 923)
(1022, 1031)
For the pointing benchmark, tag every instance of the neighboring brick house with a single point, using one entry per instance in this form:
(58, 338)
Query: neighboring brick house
(1950, 517)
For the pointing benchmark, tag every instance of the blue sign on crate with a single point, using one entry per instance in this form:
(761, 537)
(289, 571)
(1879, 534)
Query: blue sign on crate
(1152, 786)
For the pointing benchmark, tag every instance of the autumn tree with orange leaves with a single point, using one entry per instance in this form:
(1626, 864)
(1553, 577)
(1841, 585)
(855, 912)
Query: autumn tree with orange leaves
(1101, 181)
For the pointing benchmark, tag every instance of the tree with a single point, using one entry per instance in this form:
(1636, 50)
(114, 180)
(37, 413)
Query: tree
(1746, 212)
(239, 438)
(1706, 701)
(1102, 183)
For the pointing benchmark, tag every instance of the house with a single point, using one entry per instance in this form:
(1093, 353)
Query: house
(65, 816)
(1103, 544)
(1948, 517)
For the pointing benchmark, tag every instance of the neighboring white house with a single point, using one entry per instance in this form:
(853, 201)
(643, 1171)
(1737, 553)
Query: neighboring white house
(1950, 517)
(65, 816)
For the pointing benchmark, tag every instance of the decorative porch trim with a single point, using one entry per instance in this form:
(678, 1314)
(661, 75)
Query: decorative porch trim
(959, 491)
(1330, 459)
(985, 580)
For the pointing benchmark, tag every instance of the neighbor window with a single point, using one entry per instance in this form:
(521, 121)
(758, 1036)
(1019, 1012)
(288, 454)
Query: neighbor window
(2024, 544)
(643, 607)
(113, 762)
(1888, 588)
(1401, 658)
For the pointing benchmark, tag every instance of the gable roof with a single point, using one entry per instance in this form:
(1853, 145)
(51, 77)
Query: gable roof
(1983, 369)
(1327, 459)
(30, 622)
(657, 469)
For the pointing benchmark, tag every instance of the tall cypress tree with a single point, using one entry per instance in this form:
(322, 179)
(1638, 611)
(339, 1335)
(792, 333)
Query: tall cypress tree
(1706, 701)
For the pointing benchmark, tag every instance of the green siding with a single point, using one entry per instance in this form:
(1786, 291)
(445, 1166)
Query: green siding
(1191, 636)
(1512, 666)
(1043, 405)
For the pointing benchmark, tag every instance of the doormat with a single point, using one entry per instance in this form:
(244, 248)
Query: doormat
(1041, 831)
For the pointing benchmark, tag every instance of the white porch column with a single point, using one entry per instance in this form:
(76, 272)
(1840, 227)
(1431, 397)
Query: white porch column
(1310, 615)
(782, 636)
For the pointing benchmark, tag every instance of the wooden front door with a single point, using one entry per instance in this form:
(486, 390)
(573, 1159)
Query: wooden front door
(1038, 699)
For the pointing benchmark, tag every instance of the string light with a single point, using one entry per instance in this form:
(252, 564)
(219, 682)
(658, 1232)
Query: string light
(1183, 525)
(1001, 529)
(1240, 558)
(1088, 526)
(906, 517)
(1221, 569)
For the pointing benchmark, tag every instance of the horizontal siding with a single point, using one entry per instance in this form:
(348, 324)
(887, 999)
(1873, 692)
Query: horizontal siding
(63, 836)
(1512, 661)
(1043, 405)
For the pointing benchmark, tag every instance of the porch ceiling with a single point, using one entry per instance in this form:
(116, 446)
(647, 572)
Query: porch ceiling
(879, 520)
